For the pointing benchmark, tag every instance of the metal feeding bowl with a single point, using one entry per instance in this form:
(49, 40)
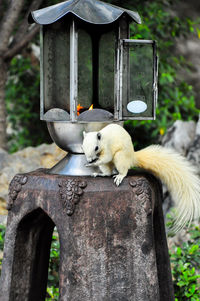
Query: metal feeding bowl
(69, 137)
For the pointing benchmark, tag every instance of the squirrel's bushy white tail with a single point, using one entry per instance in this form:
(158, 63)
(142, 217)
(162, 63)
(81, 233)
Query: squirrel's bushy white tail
(180, 177)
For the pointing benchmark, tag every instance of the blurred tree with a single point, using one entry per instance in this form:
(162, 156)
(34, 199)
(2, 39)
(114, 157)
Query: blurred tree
(15, 34)
(176, 97)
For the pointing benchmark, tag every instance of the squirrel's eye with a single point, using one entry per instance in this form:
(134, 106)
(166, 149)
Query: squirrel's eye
(96, 148)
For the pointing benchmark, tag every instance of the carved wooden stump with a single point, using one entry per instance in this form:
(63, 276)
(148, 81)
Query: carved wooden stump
(113, 244)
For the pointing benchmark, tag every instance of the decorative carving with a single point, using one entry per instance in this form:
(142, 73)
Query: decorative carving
(142, 190)
(14, 188)
(70, 192)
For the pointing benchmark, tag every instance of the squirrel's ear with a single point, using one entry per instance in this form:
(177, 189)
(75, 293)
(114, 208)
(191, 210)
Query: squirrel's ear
(99, 136)
(84, 134)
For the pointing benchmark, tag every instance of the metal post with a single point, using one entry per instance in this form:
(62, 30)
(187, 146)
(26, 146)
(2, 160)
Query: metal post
(73, 71)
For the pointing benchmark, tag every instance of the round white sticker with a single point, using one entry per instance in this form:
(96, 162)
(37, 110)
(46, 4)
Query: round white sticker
(136, 106)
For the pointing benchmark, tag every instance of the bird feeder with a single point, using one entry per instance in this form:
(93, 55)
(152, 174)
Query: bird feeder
(88, 61)
(92, 74)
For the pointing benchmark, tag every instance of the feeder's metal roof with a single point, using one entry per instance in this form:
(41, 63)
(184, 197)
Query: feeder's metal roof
(91, 11)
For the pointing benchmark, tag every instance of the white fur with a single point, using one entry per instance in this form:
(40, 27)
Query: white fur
(115, 149)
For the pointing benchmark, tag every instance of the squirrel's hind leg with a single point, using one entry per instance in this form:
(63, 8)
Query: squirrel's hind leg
(106, 170)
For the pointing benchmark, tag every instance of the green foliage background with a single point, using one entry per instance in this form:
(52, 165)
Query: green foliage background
(176, 98)
(23, 103)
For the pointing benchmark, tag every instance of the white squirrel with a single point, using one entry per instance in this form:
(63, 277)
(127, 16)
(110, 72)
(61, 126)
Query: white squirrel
(112, 147)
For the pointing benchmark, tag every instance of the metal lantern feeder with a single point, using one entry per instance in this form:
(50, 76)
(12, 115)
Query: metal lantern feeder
(88, 61)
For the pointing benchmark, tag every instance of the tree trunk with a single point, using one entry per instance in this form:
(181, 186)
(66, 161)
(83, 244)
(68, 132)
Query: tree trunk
(3, 76)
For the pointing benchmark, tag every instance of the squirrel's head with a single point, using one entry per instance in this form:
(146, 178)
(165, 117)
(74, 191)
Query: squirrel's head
(91, 146)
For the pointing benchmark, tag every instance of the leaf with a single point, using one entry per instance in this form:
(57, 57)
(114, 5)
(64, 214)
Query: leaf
(198, 32)
(181, 283)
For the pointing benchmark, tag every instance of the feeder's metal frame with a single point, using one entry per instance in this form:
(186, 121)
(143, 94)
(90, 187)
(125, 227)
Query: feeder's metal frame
(52, 14)
(120, 78)
(122, 37)
(73, 71)
(41, 73)
(123, 33)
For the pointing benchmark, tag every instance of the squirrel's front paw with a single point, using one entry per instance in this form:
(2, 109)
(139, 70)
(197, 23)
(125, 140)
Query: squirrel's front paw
(95, 174)
(88, 165)
(118, 179)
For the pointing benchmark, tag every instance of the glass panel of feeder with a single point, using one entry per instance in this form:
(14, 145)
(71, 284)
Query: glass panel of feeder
(56, 72)
(84, 71)
(138, 80)
(106, 71)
